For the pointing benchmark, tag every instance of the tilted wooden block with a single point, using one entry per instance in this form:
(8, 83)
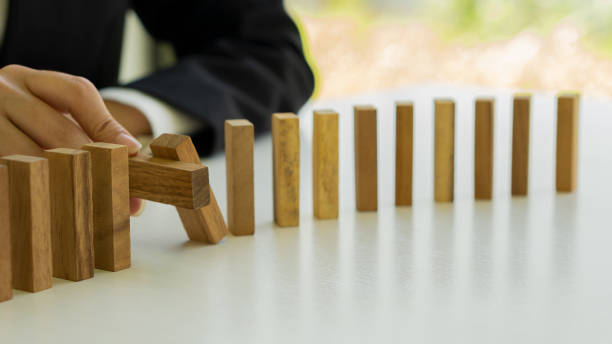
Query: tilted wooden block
(204, 224)
(366, 158)
(71, 213)
(483, 149)
(111, 205)
(6, 274)
(286, 169)
(520, 144)
(325, 164)
(239, 141)
(404, 131)
(177, 183)
(32, 262)
(444, 146)
(567, 141)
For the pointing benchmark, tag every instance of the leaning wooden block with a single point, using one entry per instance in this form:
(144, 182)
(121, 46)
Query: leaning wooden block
(111, 205)
(520, 144)
(177, 183)
(325, 164)
(286, 169)
(483, 149)
(404, 131)
(71, 213)
(205, 224)
(444, 146)
(366, 158)
(32, 262)
(239, 140)
(567, 141)
(6, 274)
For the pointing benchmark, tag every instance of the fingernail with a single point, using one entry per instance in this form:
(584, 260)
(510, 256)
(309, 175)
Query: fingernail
(132, 144)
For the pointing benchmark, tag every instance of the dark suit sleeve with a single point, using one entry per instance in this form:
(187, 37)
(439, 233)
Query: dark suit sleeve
(236, 58)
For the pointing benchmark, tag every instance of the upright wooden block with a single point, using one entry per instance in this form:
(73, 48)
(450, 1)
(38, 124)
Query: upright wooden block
(366, 158)
(444, 142)
(286, 168)
(404, 131)
(520, 144)
(483, 149)
(32, 262)
(567, 141)
(177, 183)
(239, 140)
(205, 224)
(6, 274)
(111, 205)
(325, 164)
(71, 213)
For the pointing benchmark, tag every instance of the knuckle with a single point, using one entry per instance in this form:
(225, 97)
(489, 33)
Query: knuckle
(82, 86)
(12, 69)
(105, 126)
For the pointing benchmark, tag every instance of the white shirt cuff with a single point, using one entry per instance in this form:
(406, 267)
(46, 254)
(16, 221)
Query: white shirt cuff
(162, 117)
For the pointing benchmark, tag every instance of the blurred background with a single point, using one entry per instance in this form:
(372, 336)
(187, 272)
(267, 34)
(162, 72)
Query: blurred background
(364, 45)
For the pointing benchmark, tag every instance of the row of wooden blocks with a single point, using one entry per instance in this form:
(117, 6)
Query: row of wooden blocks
(285, 135)
(66, 213)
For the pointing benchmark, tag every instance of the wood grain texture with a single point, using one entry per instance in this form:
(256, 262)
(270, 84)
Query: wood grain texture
(444, 147)
(71, 213)
(111, 205)
(520, 144)
(177, 183)
(483, 148)
(6, 274)
(239, 141)
(325, 164)
(567, 142)
(366, 158)
(32, 262)
(205, 224)
(404, 140)
(286, 169)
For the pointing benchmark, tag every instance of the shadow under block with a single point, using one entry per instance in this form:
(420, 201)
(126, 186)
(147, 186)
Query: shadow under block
(366, 158)
(444, 146)
(111, 205)
(325, 164)
(32, 262)
(404, 140)
(239, 141)
(520, 144)
(6, 274)
(286, 169)
(567, 142)
(205, 224)
(483, 149)
(71, 213)
(177, 183)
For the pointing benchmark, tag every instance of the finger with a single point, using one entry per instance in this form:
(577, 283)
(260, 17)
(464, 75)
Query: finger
(42, 123)
(19, 143)
(136, 206)
(81, 99)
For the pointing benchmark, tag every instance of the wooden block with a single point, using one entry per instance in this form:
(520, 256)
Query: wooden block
(483, 149)
(366, 158)
(286, 163)
(32, 262)
(567, 141)
(6, 274)
(111, 205)
(325, 164)
(71, 213)
(520, 144)
(177, 183)
(239, 140)
(204, 224)
(444, 146)
(404, 131)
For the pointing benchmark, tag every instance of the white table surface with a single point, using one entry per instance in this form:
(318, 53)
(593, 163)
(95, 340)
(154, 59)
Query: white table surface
(512, 270)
